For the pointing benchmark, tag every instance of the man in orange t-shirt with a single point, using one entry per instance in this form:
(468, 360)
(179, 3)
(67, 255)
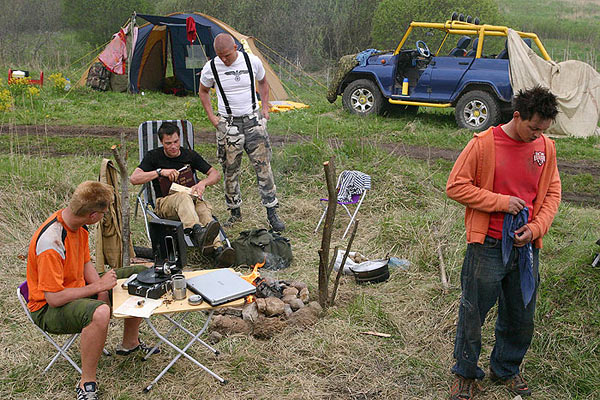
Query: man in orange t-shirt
(501, 171)
(66, 294)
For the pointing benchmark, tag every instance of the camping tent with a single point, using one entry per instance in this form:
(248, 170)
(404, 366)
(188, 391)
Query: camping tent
(164, 35)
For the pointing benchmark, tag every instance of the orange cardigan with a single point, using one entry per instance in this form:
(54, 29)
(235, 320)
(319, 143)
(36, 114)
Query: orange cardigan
(471, 182)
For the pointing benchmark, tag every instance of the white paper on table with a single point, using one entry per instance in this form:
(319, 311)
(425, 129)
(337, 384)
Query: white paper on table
(130, 307)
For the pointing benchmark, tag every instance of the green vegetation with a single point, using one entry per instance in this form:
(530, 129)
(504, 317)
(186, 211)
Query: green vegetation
(402, 213)
(96, 21)
(406, 215)
(568, 29)
(392, 17)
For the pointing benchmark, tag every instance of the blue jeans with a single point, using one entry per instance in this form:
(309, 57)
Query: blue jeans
(485, 280)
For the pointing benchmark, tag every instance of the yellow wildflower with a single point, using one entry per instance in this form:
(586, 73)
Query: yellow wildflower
(33, 91)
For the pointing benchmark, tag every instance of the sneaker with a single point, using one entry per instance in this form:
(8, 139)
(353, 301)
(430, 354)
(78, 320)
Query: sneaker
(464, 388)
(274, 221)
(89, 391)
(236, 216)
(515, 384)
(224, 257)
(122, 351)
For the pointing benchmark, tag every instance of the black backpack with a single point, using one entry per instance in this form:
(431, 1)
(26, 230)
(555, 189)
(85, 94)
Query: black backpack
(258, 245)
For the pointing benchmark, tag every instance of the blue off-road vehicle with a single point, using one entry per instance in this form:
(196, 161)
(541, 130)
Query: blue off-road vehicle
(468, 71)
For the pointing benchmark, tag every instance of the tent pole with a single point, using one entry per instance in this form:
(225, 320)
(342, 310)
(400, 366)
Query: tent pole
(194, 70)
(129, 57)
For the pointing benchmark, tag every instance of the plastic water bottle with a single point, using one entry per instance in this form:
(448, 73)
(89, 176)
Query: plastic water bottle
(67, 85)
(405, 87)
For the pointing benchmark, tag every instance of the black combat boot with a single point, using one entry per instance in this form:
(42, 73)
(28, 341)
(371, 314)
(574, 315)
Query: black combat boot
(274, 221)
(236, 216)
(224, 256)
(204, 237)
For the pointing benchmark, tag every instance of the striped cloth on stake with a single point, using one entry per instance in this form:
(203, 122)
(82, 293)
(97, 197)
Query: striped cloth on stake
(352, 183)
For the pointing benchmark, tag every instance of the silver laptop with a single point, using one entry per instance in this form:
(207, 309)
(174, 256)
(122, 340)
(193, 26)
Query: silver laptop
(220, 286)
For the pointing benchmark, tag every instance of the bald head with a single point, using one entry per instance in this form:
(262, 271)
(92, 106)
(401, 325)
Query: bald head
(223, 42)
(225, 48)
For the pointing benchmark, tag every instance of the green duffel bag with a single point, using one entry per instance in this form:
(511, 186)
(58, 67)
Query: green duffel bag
(258, 245)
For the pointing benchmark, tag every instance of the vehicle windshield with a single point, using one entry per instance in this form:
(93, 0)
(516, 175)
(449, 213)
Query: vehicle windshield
(432, 38)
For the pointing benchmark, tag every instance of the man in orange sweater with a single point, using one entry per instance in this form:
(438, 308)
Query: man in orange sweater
(508, 170)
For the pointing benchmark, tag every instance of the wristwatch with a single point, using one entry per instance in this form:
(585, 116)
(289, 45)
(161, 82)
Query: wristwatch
(158, 171)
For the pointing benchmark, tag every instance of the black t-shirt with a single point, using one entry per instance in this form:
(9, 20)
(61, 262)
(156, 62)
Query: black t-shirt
(156, 158)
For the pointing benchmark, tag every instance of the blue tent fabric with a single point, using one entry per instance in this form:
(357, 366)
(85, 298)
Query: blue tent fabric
(176, 28)
(510, 225)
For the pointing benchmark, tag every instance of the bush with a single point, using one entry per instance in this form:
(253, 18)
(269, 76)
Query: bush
(392, 17)
(96, 21)
(6, 99)
(59, 82)
(309, 32)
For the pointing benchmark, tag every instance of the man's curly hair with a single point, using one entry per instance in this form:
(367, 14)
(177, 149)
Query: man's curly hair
(537, 100)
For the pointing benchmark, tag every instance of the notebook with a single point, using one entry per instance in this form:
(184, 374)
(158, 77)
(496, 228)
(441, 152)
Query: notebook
(220, 286)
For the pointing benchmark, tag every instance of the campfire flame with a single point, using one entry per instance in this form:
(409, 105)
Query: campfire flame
(253, 277)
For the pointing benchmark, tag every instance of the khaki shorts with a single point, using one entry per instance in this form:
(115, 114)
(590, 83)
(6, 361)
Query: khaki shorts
(77, 314)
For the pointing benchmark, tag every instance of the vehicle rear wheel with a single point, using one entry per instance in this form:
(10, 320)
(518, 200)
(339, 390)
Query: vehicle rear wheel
(363, 97)
(477, 110)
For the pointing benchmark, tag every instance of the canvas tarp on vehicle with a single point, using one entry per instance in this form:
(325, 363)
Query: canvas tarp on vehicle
(575, 83)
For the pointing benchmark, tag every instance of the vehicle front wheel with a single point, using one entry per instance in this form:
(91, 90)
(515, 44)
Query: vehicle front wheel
(363, 97)
(477, 110)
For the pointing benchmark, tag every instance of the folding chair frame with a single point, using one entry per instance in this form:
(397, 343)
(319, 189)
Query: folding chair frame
(62, 350)
(351, 215)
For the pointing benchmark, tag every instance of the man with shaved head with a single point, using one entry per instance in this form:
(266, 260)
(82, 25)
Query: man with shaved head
(240, 125)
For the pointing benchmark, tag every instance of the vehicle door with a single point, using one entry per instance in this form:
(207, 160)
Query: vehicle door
(446, 73)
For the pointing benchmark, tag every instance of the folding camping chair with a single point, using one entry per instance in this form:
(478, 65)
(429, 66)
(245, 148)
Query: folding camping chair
(23, 296)
(351, 188)
(148, 140)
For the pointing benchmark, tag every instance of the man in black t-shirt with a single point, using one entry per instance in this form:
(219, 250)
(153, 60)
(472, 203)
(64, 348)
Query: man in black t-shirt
(173, 164)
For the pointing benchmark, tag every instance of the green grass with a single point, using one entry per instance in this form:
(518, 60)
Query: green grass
(406, 215)
(330, 359)
(568, 29)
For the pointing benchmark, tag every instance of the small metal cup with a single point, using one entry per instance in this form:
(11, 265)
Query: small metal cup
(179, 287)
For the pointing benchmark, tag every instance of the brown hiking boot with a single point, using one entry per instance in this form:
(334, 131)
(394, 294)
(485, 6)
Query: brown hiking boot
(515, 384)
(464, 388)
(224, 257)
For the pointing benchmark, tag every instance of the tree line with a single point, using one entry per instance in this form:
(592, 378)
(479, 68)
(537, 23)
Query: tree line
(311, 33)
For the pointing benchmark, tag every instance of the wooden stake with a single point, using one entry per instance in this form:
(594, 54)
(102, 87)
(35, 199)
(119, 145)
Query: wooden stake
(332, 261)
(341, 269)
(441, 258)
(327, 228)
(121, 158)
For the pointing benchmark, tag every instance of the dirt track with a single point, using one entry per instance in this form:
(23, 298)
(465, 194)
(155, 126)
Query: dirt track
(416, 152)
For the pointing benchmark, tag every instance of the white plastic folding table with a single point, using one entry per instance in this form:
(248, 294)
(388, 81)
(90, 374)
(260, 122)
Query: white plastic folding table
(168, 310)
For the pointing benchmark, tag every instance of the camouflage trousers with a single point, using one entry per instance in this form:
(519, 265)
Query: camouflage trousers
(247, 134)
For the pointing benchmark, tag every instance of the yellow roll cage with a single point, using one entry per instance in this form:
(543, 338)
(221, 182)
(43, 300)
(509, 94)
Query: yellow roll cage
(470, 29)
